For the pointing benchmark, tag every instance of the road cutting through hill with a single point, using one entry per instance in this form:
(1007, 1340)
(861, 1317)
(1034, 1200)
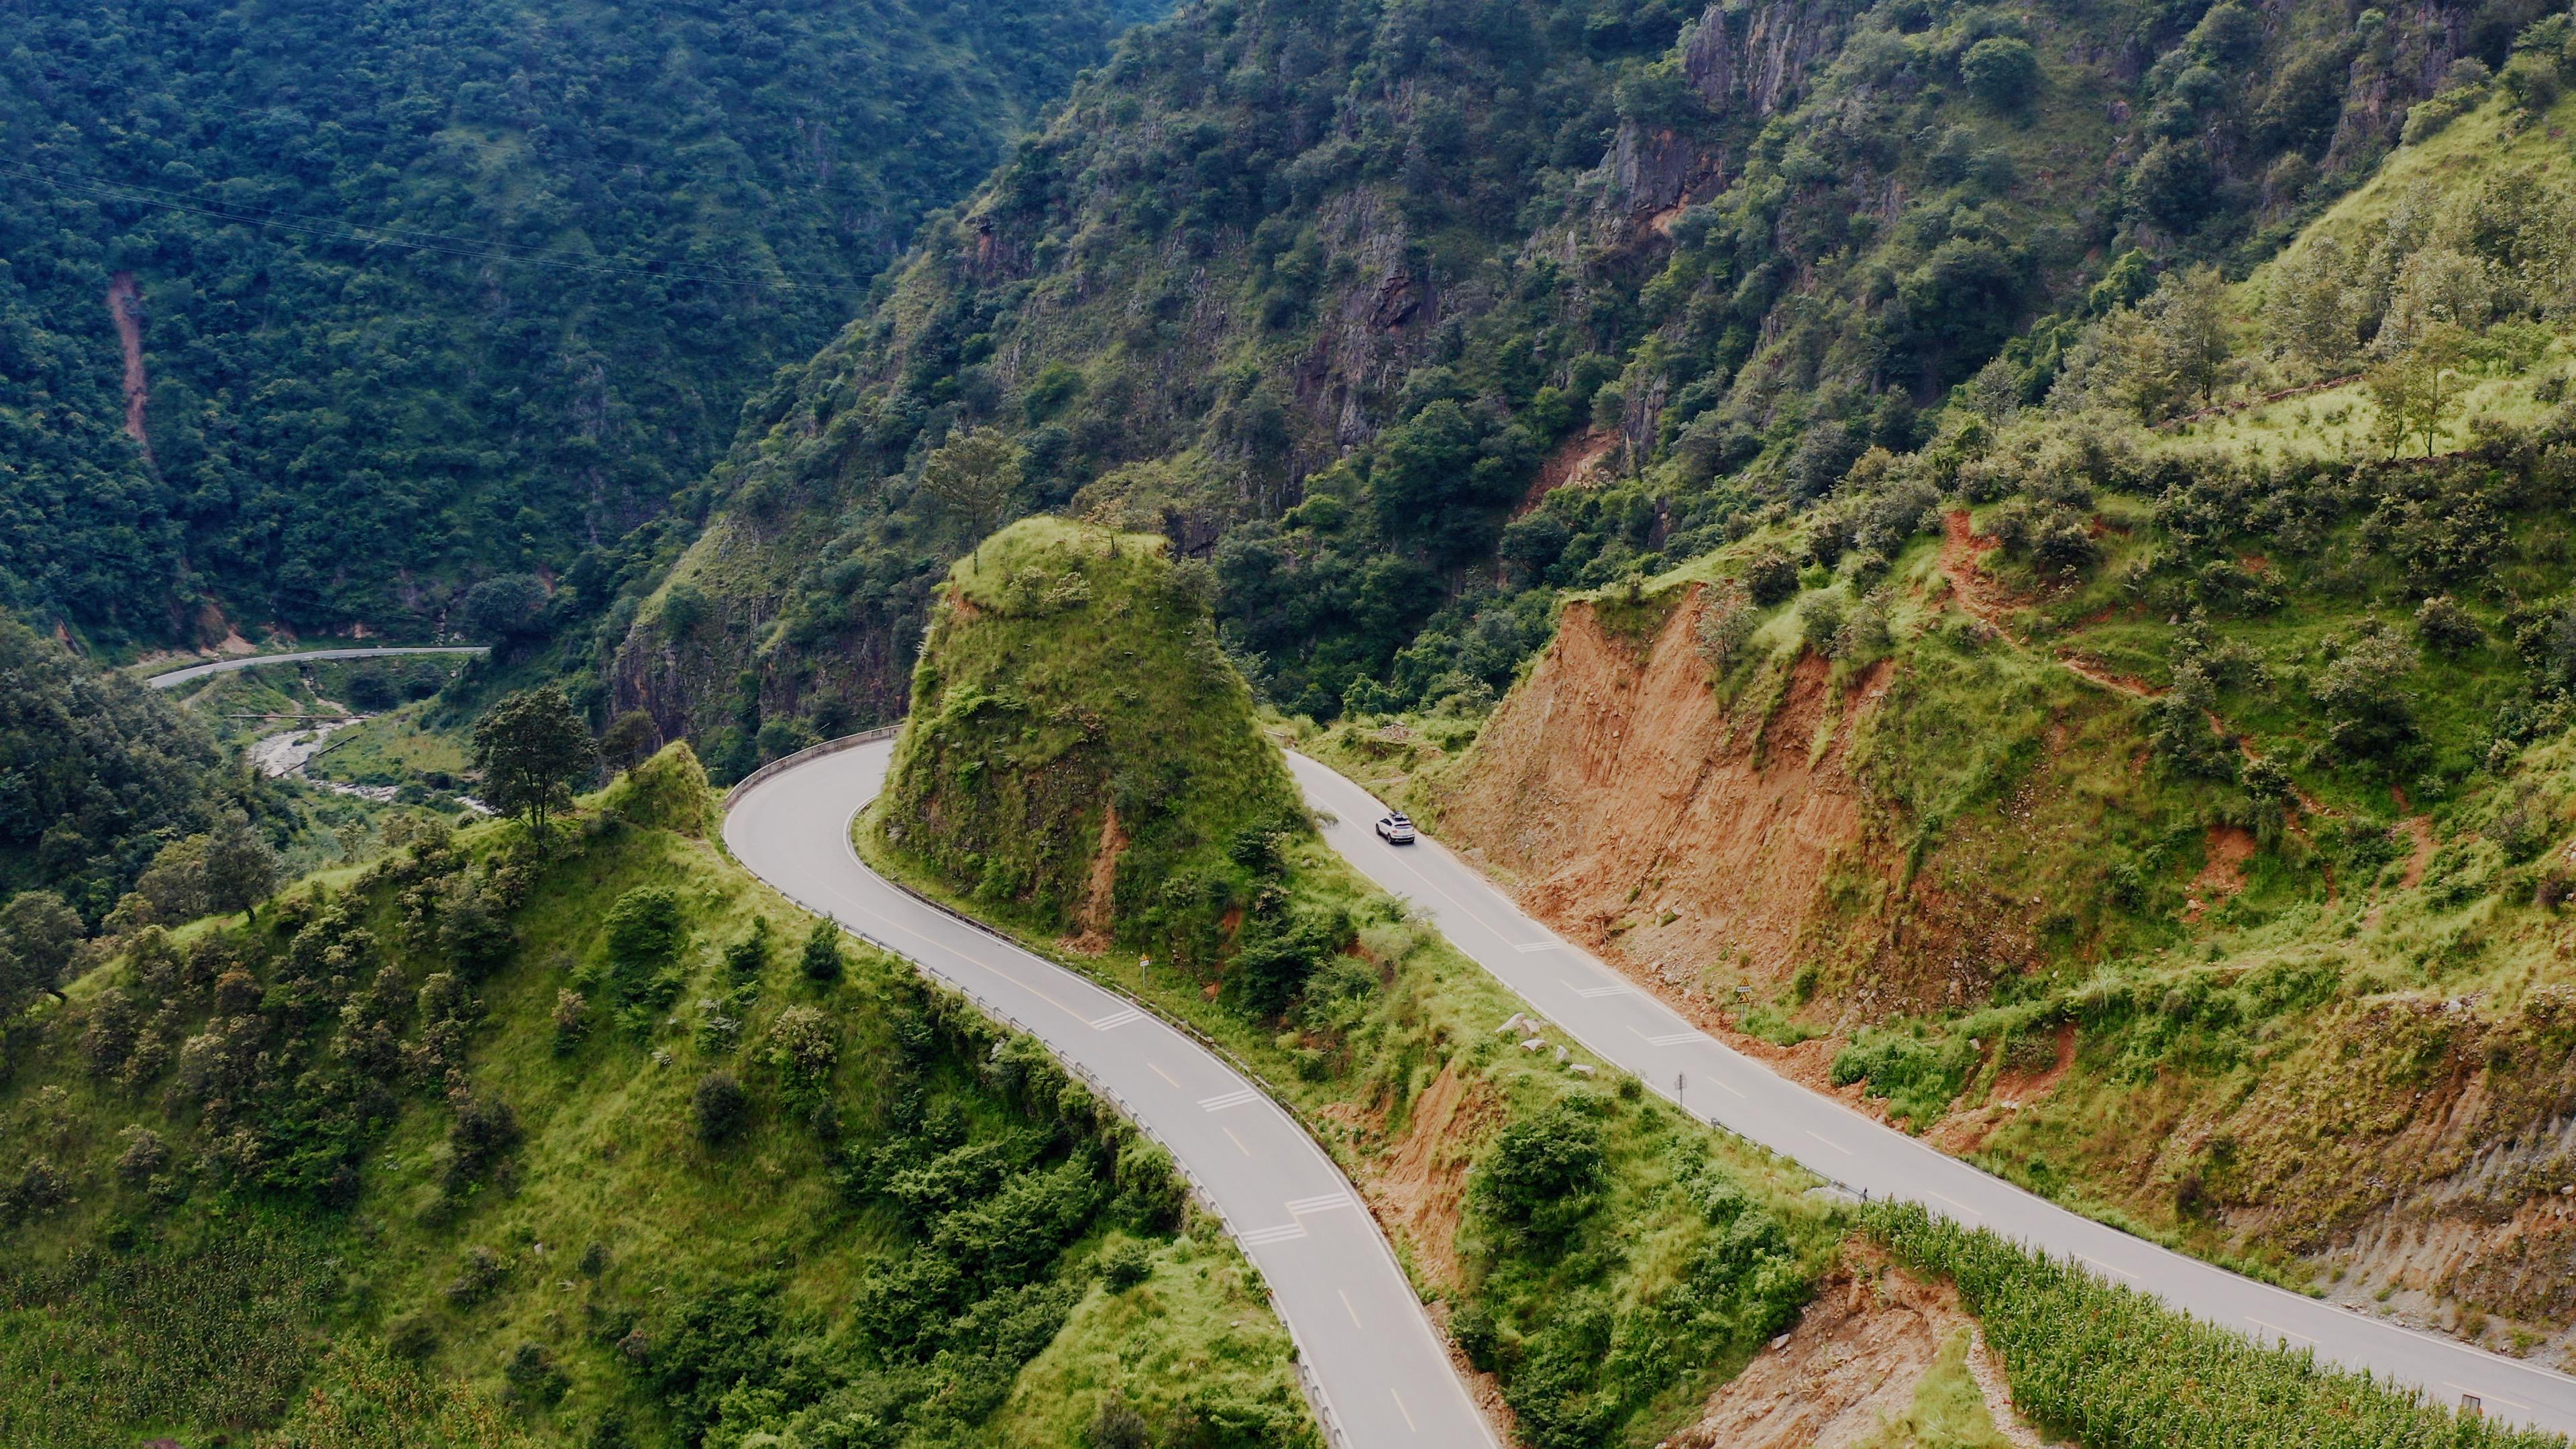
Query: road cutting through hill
(1623, 1024)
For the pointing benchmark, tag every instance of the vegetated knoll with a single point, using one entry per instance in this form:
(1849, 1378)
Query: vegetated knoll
(1082, 756)
(590, 1145)
(1079, 752)
(1322, 295)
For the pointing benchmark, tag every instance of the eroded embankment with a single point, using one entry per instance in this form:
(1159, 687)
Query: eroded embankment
(1628, 807)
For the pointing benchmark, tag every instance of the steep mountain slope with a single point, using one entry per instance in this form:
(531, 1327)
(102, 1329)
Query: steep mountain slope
(96, 774)
(1333, 294)
(316, 313)
(509, 1147)
(2168, 816)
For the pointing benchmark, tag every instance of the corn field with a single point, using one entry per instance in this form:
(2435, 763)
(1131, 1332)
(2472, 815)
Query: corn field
(2115, 1369)
(208, 1337)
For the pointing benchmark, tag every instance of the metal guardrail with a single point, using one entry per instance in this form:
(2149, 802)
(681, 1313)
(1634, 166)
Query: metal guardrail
(810, 752)
(1316, 1397)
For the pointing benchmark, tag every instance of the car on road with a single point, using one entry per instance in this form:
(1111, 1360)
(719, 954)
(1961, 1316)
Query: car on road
(1395, 830)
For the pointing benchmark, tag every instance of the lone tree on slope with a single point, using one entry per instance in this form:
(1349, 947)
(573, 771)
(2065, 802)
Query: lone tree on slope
(973, 476)
(531, 748)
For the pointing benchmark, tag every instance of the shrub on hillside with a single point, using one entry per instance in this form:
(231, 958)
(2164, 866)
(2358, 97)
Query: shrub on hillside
(804, 1048)
(719, 1107)
(571, 1019)
(485, 1129)
(1725, 625)
(1770, 576)
(2442, 626)
(2001, 70)
(1820, 617)
(1279, 952)
(476, 1277)
(2180, 728)
(2363, 693)
(1543, 1172)
(1126, 1265)
(145, 1157)
(821, 958)
(747, 958)
(646, 936)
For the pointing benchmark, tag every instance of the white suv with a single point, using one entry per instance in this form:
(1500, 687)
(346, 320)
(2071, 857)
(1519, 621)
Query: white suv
(1395, 830)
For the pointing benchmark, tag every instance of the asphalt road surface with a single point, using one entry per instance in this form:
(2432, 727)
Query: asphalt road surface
(1625, 1025)
(1382, 1373)
(254, 661)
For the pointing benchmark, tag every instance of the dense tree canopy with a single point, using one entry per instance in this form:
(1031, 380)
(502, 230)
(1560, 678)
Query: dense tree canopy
(96, 772)
(426, 292)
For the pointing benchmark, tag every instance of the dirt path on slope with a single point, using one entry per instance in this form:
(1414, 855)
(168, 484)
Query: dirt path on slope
(125, 306)
(1990, 606)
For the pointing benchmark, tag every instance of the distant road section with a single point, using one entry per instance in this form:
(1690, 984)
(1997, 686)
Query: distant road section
(1381, 1373)
(254, 661)
(1624, 1024)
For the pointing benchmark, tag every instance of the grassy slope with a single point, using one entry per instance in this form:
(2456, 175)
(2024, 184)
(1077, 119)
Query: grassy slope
(609, 1158)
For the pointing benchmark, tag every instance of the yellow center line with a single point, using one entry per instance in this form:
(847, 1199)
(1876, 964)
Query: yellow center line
(1237, 1141)
(1407, 1413)
(1166, 1076)
(1347, 1308)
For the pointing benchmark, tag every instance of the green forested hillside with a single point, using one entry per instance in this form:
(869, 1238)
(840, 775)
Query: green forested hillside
(595, 1144)
(96, 773)
(426, 293)
(1333, 295)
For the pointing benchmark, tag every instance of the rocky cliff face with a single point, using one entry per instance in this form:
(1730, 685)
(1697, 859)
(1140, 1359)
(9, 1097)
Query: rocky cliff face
(1762, 58)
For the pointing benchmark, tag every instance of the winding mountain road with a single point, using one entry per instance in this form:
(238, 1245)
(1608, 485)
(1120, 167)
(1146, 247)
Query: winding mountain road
(253, 661)
(1379, 1372)
(1623, 1024)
